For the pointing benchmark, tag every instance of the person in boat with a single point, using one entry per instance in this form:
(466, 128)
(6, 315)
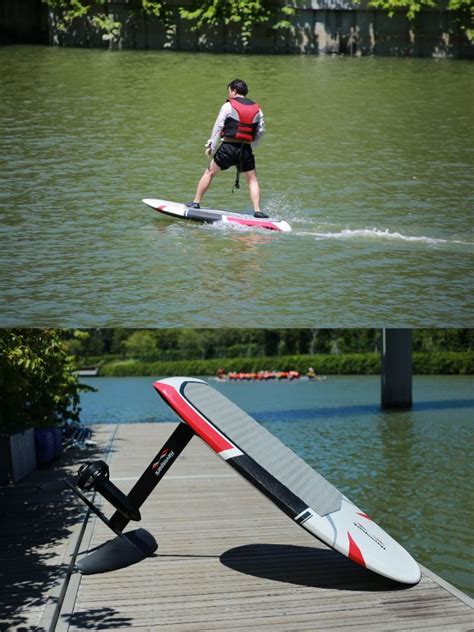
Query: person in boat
(220, 373)
(311, 373)
(293, 375)
(240, 126)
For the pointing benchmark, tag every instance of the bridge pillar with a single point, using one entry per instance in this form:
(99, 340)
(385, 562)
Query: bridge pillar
(396, 369)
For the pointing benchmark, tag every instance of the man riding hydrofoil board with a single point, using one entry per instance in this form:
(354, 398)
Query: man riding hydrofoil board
(240, 126)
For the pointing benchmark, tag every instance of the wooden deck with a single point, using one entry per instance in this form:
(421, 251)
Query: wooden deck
(229, 559)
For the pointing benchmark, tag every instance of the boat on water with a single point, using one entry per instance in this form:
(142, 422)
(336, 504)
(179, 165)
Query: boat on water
(264, 376)
(88, 372)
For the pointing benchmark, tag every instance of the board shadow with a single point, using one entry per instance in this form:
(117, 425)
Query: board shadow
(305, 566)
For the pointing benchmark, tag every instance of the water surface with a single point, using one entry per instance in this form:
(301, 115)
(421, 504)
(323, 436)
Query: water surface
(369, 159)
(411, 470)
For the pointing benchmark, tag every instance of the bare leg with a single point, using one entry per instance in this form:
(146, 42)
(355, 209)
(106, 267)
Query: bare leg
(205, 181)
(254, 189)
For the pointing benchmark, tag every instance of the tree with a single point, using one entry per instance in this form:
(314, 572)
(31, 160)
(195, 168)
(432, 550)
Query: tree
(204, 344)
(142, 345)
(38, 386)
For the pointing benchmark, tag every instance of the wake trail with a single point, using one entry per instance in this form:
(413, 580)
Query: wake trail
(375, 233)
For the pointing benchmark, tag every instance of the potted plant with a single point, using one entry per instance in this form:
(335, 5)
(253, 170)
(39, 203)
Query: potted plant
(39, 391)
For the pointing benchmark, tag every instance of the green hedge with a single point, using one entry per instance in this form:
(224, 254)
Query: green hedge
(443, 363)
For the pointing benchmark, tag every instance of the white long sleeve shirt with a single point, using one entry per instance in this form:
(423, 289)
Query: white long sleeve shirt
(225, 111)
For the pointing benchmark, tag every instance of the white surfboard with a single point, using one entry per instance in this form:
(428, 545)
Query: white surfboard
(276, 471)
(210, 216)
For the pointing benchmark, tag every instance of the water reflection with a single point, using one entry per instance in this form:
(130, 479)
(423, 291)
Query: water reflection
(364, 410)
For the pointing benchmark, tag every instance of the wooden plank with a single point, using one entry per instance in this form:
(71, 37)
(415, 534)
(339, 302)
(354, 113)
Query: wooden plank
(228, 558)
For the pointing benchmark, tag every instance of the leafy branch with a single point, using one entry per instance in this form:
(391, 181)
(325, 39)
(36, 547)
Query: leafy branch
(69, 10)
(413, 7)
(244, 14)
(91, 10)
(209, 13)
(464, 10)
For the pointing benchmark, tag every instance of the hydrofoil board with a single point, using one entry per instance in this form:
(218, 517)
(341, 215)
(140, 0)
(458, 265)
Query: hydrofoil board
(211, 216)
(283, 477)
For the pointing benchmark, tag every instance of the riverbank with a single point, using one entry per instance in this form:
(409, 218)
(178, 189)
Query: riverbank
(344, 27)
(439, 363)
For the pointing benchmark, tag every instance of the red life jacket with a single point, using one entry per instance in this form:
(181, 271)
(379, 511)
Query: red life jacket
(244, 127)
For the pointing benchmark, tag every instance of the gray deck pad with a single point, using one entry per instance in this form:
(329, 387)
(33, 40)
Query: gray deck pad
(264, 448)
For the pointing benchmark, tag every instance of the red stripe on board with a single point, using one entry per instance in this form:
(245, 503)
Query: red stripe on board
(355, 554)
(364, 515)
(202, 427)
(250, 222)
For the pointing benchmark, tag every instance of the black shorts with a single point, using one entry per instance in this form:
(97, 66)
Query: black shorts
(238, 155)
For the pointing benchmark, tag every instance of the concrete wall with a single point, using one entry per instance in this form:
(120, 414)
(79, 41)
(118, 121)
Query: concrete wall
(318, 27)
(17, 456)
(23, 22)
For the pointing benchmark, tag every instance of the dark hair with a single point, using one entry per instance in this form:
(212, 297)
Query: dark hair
(239, 86)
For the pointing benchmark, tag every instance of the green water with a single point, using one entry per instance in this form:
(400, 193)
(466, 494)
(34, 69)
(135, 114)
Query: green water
(411, 470)
(369, 159)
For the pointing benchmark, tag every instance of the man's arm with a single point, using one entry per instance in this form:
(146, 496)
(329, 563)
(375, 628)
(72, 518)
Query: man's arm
(224, 112)
(260, 130)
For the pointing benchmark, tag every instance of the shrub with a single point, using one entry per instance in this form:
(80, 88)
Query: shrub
(38, 385)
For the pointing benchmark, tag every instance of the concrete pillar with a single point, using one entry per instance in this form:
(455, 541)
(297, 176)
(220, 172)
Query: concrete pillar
(396, 368)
